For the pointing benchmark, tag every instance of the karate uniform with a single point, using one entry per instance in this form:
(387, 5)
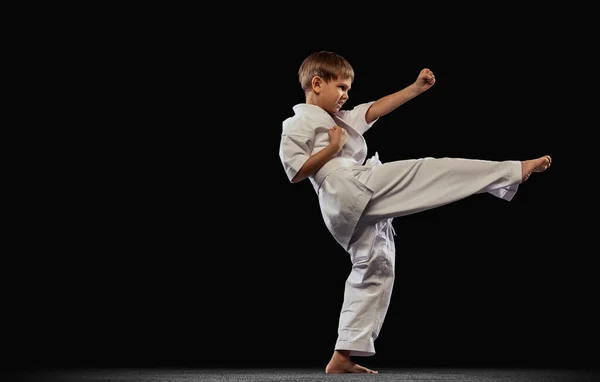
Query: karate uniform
(359, 198)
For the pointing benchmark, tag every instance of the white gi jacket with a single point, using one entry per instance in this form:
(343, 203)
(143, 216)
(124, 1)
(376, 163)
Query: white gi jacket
(342, 198)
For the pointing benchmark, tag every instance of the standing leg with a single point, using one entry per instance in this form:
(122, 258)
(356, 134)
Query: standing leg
(367, 296)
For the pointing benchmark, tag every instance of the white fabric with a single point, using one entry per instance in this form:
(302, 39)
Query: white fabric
(342, 200)
(359, 201)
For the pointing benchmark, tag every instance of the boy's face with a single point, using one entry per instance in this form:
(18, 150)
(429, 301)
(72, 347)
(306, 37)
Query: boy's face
(332, 94)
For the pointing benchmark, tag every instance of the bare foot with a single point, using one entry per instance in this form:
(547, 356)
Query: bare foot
(340, 363)
(541, 164)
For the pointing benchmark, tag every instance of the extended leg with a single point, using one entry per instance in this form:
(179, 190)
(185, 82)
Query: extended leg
(410, 186)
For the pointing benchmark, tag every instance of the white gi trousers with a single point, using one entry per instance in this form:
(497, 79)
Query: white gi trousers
(401, 188)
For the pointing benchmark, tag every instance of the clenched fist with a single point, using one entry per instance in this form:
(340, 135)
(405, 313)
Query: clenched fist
(337, 137)
(425, 80)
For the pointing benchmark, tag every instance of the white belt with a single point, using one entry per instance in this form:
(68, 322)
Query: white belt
(332, 165)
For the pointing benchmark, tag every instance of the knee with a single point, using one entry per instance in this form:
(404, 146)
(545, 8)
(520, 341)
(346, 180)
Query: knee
(381, 264)
(372, 271)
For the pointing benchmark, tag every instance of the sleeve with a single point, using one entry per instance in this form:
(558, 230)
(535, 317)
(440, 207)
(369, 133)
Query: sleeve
(294, 150)
(357, 117)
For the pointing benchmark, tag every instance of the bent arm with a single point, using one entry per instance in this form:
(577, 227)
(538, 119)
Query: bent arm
(390, 102)
(315, 162)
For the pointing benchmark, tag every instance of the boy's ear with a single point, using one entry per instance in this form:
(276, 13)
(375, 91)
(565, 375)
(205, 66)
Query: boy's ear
(317, 82)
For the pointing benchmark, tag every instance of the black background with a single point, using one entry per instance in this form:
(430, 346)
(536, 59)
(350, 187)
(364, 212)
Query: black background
(165, 233)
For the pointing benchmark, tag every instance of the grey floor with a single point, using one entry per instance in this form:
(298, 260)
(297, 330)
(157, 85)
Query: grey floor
(175, 375)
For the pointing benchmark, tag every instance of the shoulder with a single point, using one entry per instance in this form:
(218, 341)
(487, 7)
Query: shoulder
(359, 109)
(306, 120)
(298, 125)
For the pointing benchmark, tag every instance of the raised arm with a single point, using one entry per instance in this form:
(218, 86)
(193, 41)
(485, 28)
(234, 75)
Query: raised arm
(386, 104)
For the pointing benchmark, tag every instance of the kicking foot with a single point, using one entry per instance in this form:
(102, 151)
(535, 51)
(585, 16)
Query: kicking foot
(541, 164)
(340, 363)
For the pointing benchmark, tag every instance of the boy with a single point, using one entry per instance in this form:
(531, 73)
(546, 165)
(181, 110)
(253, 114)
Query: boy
(359, 199)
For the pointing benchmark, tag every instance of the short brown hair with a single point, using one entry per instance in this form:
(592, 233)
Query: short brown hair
(327, 65)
